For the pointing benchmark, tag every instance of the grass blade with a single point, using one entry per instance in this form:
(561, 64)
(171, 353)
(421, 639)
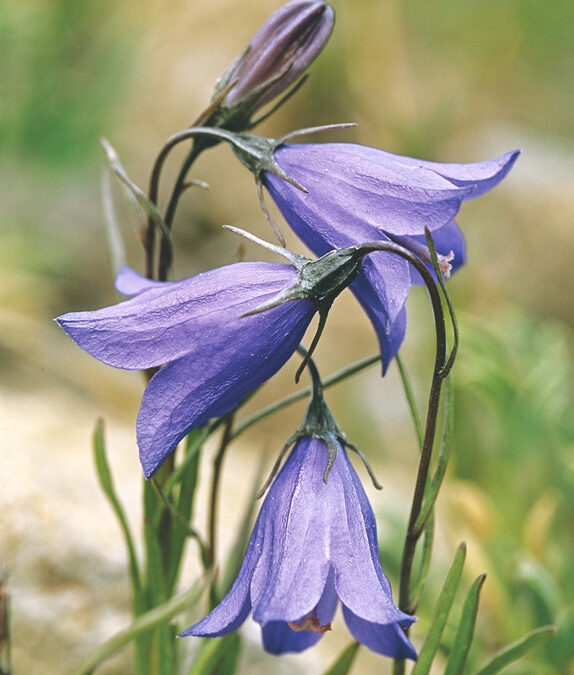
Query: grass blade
(463, 639)
(441, 612)
(516, 650)
(344, 661)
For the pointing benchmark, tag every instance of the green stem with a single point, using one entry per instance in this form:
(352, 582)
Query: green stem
(166, 249)
(142, 625)
(304, 393)
(410, 399)
(214, 498)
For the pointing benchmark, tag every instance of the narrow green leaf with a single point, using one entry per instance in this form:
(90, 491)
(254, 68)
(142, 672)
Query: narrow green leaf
(144, 623)
(417, 585)
(516, 650)
(154, 508)
(434, 259)
(113, 235)
(409, 395)
(219, 656)
(107, 485)
(441, 612)
(133, 190)
(344, 661)
(463, 639)
(199, 438)
(433, 487)
(184, 506)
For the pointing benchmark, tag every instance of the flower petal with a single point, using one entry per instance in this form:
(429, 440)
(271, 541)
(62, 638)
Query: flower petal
(280, 51)
(232, 611)
(229, 362)
(350, 186)
(387, 639)
(446, 239)
(129, 282)
(289, 583)
(359, 579)
(481, 176)
(382, 286)
(279, 638)
(390, 332)
(167, 320)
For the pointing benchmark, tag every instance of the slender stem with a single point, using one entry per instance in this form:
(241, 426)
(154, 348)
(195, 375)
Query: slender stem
(189, 530)
(411, 539)
(303, 393)
(410, 399)
(406, 603)
(215, 484)
(153, 194)
(166, 247)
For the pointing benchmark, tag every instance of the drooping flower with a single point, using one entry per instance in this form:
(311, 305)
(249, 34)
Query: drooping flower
(277, 55)
(314, 544)
(214, 358)
(218, 336)
(354, 194)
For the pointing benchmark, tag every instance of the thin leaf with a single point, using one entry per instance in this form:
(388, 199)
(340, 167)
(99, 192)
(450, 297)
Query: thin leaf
(337, 377)
(219, 656)
(113, 235)
(141, 198)
(409, 394)
(417, 585)
(144, 623)
(516, 650)
(463, 639)
(184, 507)
(344, 661)
(434, 259)
(441, 612)
(107, 485)
(433, 487)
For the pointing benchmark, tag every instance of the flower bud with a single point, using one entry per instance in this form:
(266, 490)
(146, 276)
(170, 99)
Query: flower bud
(280, 51)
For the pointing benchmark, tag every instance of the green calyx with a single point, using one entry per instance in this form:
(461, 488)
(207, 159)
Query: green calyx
(320, 282)
(320, 423)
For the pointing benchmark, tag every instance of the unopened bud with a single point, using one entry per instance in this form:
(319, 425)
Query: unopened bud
(278, 54)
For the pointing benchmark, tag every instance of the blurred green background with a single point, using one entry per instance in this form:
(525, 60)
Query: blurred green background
(443, 80)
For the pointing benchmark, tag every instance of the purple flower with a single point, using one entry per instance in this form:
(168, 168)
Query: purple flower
(357, 194)
(314, 543)
(281, 50)
(214, 358)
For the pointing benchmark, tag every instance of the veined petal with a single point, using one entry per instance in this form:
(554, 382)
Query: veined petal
(481, 176)
(228, 363)
(167, 320)
(290, 582)
(232, 611)
(309, 539)
(353, 185)
(280, 51)
(382, 285)
(359, 579)
(387, 639)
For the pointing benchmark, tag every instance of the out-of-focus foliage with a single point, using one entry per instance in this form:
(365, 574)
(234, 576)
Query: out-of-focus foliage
(64, 69)
(514, 440)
